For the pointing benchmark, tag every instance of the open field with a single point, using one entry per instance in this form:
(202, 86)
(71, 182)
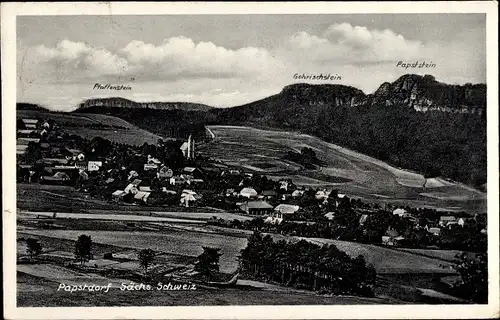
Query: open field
(350, 172)
(188, 243)
(117, 130)
(418, 277)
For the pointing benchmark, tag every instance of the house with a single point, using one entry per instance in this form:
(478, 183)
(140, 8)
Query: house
(196, 182)
(322, 194)
(248, 193)
(26, 141)
(258, 208)
(193, 172)
(94, 165)
(445, 221)
(362, 220)
(165, 173)
(145, 188)
(178, 180)
(269, 194)
(330, 215)
(165, 190)
(133, 186)
(30, 124)
(391, 237)
(83, 175)
(461, 221)
(188, 197)
(231, 193)
(400, 212)
(298, 193)
(118, 195)
(284, 184)
(152, 160)
(434, 230)
(132, 174)
(282, 210)
(141, 197)
(21, 149)
(150, 167)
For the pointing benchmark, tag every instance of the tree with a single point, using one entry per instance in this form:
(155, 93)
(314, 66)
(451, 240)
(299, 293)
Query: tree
(208, 262)
(146, 258)
(33, 247)
(474, 273)
(83, 248)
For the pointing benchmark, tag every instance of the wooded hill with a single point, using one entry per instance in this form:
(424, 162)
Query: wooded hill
(414, 123)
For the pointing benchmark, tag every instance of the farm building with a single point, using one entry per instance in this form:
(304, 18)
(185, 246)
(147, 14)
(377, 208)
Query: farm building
(258, 208)
(248, 193)
(269, 194)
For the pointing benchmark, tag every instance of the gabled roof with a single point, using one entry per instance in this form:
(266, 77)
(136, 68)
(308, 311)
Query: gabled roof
(258, 205)
(248, 191)
(136, 182)
(118, 193)
(287, 208)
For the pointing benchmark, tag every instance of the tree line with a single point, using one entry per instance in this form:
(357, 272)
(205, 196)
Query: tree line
(305, 265)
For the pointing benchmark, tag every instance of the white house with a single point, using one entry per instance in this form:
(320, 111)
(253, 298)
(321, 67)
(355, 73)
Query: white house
(400, 212)
(248, 193)
(285, 209)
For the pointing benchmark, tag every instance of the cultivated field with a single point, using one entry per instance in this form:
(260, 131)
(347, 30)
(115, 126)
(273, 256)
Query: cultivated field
(349, 172)
(119, 130)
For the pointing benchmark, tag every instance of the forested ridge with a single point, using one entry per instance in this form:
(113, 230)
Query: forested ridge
(447, 140)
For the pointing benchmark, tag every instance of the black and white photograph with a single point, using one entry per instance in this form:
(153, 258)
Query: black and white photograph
(238, 158)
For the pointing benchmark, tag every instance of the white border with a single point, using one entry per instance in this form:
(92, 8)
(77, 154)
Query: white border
(9, 11)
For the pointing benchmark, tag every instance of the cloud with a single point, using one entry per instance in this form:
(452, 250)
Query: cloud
(345, 43)
(72, 58)
(175, 58)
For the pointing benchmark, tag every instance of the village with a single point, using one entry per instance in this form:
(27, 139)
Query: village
(173, 176)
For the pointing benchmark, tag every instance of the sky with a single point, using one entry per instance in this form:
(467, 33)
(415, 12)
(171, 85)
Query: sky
(229, 60)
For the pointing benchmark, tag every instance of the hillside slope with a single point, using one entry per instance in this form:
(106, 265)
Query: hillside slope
(95, 125)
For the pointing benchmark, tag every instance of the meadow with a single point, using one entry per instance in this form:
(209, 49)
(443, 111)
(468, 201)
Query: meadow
(350, 172)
